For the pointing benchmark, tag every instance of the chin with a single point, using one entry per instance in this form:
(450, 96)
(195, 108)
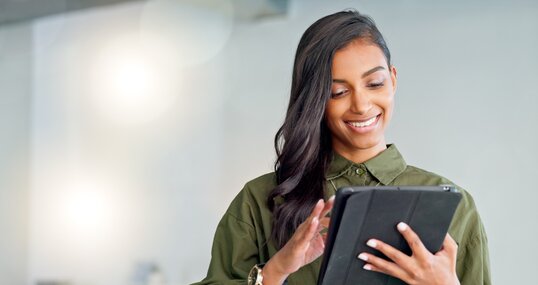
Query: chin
(367, 144)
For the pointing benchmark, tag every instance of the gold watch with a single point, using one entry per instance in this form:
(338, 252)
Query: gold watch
(255, 276)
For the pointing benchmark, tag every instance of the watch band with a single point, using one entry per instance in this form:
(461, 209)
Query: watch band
(255, 277)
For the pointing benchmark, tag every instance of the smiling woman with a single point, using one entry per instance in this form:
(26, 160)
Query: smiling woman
(341, 101)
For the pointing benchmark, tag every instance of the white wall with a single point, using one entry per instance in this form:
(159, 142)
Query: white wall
(133, 170)
(15, 94)
(152, 191)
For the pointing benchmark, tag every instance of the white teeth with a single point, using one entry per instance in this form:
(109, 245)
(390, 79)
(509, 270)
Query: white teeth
(363, 124)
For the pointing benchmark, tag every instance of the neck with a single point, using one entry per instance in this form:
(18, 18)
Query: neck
(359, 155)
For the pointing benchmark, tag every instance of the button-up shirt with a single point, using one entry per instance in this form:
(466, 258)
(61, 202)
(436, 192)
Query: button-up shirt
(242, 238)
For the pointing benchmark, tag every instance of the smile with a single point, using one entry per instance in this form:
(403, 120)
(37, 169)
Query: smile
(363, 124)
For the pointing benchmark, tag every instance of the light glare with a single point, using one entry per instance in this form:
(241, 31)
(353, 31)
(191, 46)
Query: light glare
(88, 208)
(129, 86)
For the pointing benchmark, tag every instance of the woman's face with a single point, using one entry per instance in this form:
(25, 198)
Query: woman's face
(362, 100)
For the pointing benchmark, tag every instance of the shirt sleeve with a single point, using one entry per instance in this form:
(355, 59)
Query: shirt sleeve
(473, 267)
(240, 239)
(233, 254)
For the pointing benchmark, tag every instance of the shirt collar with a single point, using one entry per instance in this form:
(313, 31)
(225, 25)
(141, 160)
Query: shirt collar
(385, 166)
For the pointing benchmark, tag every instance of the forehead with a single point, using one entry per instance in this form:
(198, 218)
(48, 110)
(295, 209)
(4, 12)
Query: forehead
(357, 57)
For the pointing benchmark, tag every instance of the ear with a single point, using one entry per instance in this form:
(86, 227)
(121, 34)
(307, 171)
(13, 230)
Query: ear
(393, 78)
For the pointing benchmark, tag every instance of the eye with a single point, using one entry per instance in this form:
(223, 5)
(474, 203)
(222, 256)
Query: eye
(375, 85)
(339, 93)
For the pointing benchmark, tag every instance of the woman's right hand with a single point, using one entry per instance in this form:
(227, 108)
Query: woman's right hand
(305, 246)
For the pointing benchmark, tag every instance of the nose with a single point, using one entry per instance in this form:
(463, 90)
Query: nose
(360, 103)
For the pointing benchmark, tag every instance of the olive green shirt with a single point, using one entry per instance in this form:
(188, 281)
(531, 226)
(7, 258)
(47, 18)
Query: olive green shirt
(242, 238)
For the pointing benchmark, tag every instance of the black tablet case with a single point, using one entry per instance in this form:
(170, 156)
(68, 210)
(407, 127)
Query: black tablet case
(361, 213)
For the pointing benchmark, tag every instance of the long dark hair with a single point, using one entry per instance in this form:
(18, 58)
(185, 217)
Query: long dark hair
(303, 142)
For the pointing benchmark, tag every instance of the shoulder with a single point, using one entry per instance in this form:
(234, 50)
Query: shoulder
(466, 219)
(424, 177)
(261, 184)
(258, 189)
(250, 203)
(413, 175)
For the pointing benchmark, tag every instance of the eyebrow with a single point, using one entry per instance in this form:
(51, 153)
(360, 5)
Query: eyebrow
(377, 68)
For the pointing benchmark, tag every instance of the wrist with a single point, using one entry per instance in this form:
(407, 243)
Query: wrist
(272, 275)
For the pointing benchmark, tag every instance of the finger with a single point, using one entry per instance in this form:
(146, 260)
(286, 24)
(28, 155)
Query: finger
(304, 227)
(318, 242)
(377, 264)
(305, 233)
(321, 228)
(400, 258)
(325, 222)
(306, 230)
(450, 245)
(318, 208)
(416, 245)
(311, 231)
(328, 207)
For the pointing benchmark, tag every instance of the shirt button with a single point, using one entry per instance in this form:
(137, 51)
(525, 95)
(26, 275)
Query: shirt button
(358, 171)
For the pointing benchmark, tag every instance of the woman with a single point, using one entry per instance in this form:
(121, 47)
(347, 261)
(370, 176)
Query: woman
(342, 98)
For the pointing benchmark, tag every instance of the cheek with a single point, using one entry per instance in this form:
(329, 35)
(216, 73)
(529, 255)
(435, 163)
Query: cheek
(386, 101)
(333, 113)
(387, 104)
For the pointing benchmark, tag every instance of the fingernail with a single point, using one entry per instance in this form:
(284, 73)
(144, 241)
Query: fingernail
(331, 198)
(367, 267)
(371, 243)
(402, 226)
(314, 220)
(363, 256)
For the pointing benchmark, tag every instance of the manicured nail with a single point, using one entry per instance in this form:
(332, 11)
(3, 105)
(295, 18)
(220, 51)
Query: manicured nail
(331, 198)
(363, 256)
(367, 267)
(314, 220)
(402, 227)
(371, 243)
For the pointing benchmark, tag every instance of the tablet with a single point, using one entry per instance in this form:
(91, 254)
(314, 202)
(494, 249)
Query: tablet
(361, 213)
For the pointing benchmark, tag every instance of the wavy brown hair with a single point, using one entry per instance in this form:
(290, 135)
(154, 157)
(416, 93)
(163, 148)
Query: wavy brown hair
(303, 142)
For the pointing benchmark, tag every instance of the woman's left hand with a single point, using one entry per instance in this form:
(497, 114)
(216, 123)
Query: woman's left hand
(422, 267)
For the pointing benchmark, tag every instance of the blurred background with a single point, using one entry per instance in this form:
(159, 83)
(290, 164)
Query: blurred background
(127, 127)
